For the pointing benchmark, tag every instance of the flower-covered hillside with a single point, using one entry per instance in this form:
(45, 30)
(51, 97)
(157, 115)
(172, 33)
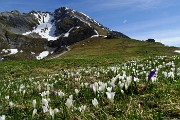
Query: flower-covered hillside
(137, 89)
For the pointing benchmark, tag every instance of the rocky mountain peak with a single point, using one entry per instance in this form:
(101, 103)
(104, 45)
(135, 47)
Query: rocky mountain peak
(51, 31)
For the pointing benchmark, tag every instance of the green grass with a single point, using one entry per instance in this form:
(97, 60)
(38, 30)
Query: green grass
(159, 100)
(91, 61)
(109, 51)
(90, 52)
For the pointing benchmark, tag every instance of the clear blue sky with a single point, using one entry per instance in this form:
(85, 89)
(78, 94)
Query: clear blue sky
(139, 19)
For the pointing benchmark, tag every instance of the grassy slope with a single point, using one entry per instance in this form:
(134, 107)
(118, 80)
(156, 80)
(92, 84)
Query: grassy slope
(90, 52)
(112, 51)
(160, 100)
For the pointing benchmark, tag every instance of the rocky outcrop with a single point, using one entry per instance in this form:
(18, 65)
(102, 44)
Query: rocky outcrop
(75, 35)
(115, 34)
(18, 22)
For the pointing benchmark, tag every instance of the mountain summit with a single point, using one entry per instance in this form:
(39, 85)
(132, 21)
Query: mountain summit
(37, 34)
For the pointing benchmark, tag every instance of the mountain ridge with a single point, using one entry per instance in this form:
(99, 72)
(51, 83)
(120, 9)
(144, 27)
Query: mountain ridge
(50, 31)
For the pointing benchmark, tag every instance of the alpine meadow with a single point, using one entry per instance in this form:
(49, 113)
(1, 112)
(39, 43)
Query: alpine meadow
(64, 65)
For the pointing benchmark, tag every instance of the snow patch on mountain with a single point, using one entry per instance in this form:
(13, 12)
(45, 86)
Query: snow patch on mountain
(46, 27)
(85, 15)
(178, 51)
(94, 36)
(92, 20)
(97, 34)
(66, 8)
(67, 34)
(33, 53)
(10, 51)
(42, 55)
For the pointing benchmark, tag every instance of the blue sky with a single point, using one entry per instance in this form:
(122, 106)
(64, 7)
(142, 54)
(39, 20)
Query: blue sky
(139, 19)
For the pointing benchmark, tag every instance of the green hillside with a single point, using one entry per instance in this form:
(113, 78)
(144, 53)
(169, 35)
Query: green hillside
(111, 79)
(112, 51)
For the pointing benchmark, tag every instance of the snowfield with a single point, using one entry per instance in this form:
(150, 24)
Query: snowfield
(46, 28)
(42, 55)
(10, 51)
(67, 34)
(178, 51)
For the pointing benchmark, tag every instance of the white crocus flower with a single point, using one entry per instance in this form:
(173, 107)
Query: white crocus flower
(124, 74)
(56, 110)
(39, 87)
(129, 79)
(112, 82)
(61, 94)
(11, 104)
(71, 97)
(45, 102)
(178, 72)
(24, 91)
(3, 117)
(94, 87)
(76, 91)
(128, 82)
(171, 75)
(122, 91)
(102, 87)
(7, 97)
(165, 74)
(45, 109)
(34, 103)
(95, 102)
(51, 112)
(34, 112)
(86, 84)
(43, 94)
(82, 108)
(154, 79)
(109, 89)
(48, 99)
(69, 102)
(47, 93)
(126, 85)
(82, 85)
(121, 85)
(110, 96)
